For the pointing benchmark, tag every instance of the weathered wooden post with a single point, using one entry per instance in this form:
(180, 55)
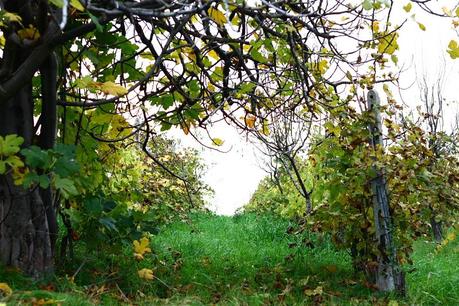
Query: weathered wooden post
(389, 276)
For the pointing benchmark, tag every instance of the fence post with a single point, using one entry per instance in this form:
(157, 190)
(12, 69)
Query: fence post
(389, 276)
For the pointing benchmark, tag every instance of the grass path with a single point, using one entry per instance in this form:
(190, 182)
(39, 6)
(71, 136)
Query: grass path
(250, 260)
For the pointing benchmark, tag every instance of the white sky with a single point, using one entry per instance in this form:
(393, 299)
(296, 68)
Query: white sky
(235, 175)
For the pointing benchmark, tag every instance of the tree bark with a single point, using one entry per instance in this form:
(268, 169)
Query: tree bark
(24, 233)
(28, 226)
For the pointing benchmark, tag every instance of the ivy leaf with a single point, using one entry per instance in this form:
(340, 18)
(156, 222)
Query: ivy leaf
(217, 16)
(453, 49)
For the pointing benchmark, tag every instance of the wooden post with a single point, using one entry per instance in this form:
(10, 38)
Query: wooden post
(389, 276)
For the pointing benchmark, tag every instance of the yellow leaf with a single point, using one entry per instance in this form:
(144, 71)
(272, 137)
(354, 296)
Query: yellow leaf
(457, 11)
(141, 247)
(265, 130)
(30, 33)
(408, 7)
(453, 49)
(451, 236)
(145, 274)
(113, 89)
(190, 53)
(217, 16)
(250, 121)
(323, 66)
(185, 128)
(77, 5)
(447, 11)
(12, 17)
(421, 26)
(213, 55)
(375, 26)
(138, 256)
(217, 141)
(388, 43)
(311, 292)
(5, 289)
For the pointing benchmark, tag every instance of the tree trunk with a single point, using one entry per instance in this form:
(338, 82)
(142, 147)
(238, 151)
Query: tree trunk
(389, 276)
(28, 225)
(436, 229)
(303, 190)
(24, 234)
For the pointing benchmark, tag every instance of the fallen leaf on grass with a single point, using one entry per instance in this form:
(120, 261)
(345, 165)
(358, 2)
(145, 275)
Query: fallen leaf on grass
(311, 292)
(146, 274)
(331, 268)
(5, 289)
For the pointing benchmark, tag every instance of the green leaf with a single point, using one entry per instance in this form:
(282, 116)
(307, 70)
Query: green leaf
(58, 3)
(167, 101)
(367, 5)
(14, 161)
(408, 7)
(247, 87)
(43, 181)
(94, 19)
(421, 26)
(77, 5)
(2, 167)
(217, 141)
(36, 157)
(217, 16)
(30, 179)
(93, 205)
(65, 186)
(257, 56)
(10, 144)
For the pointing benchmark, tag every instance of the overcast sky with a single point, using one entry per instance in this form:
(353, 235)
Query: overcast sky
(235, 175)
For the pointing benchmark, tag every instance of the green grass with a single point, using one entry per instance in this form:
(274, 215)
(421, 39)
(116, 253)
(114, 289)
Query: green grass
(242, 260)
(247, 260)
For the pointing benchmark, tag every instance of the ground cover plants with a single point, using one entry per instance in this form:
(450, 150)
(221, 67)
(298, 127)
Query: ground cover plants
(247, 259)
